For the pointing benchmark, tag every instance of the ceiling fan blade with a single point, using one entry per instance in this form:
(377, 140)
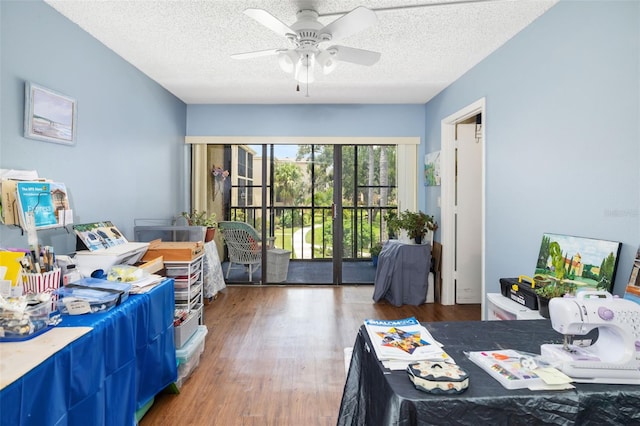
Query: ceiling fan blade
(257, 54)
(269, 21)
(355, 21)
(355, 56)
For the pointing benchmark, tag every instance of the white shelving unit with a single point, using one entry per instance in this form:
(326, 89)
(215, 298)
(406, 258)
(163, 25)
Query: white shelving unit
(503, 308)
(188, 285)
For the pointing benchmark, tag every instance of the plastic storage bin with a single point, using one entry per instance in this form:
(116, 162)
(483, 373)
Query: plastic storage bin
(188, 355)
(16, 326)
(503, 308)
(91, 295)
(185, 331)
(169, 233)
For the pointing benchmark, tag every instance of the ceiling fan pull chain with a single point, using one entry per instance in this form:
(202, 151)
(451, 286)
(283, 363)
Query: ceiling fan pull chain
(307, 95)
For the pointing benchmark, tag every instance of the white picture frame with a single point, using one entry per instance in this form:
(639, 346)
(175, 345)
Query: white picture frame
(49, 116)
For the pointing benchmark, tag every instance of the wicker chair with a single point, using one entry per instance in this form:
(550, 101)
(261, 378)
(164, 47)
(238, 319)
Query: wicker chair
(244, 245)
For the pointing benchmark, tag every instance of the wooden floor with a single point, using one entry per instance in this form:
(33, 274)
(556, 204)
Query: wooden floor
(274, 355)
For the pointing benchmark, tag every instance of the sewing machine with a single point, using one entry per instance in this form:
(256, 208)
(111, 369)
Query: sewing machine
(615, 355)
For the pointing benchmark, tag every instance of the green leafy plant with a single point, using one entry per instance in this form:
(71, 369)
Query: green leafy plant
(393, 223)
(556, 289)
(200, 218)
(416, 223)
(376, 249)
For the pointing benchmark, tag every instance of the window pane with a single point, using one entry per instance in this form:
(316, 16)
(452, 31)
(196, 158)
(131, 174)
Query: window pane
(242, 162)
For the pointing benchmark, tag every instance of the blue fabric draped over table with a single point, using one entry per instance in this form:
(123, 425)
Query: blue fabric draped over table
(402, 275)
(106, 375)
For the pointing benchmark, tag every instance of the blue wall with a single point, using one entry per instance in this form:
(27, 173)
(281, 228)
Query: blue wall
(562, 128)
(126, 163)
(305, 120)
(562, 134)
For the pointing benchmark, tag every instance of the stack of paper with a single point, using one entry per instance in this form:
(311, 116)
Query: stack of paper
(145, 284)
(398, 343)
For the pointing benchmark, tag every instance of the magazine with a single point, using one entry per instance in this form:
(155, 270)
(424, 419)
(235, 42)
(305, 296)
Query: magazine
(99, 235)
(60, 198)
(35, 198)
(398, 343)
(46, 201)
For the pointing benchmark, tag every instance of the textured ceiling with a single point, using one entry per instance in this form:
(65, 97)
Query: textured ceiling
(186, 45)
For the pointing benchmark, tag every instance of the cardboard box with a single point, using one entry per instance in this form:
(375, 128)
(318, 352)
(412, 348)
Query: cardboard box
(174, 251)
(153, 265)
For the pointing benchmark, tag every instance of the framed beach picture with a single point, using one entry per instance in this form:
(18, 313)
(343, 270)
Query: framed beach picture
(48, 115)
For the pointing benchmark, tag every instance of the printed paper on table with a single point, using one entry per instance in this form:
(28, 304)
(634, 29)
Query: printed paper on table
(399, 342)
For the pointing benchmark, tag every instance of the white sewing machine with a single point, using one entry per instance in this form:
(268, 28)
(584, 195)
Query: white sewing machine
(615, 356)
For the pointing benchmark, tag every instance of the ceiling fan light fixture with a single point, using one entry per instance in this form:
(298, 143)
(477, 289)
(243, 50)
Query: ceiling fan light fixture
(305, 69)
(327, 61)
(304, 37)
(288, 60)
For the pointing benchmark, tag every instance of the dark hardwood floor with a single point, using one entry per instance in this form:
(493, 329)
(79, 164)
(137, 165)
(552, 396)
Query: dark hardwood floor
(274, 355)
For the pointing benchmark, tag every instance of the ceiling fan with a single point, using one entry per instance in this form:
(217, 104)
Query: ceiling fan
(305, 37)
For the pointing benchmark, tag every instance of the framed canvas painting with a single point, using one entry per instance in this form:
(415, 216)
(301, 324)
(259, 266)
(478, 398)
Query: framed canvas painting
(588, 263)
(432, 169)
(49, 116)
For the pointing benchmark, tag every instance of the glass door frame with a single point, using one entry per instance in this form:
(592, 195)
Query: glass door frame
(338, 216)
(407, 153)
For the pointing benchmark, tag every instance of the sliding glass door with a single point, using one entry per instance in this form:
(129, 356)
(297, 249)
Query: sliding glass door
(326, 204)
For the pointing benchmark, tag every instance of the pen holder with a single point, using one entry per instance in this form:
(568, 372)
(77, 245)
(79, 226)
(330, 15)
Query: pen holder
(45, 282)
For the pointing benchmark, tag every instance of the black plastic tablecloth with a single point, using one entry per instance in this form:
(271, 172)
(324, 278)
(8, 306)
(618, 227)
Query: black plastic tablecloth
(376, 396)
(402, 274)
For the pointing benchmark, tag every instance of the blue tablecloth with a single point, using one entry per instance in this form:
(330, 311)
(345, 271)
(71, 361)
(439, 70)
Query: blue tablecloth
(105, 376)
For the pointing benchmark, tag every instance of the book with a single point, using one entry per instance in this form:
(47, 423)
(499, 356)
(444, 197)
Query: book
(632, 291)
(397, 343)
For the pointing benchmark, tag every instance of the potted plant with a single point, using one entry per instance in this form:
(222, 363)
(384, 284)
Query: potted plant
(393, 223)
(558, 287)
(416, 224)
(376, 248)
(202, 218)
(549, 291)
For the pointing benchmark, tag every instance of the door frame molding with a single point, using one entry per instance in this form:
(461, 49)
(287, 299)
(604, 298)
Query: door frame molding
(406, 160)
(448, 167)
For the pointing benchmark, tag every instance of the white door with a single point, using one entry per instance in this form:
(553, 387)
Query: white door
(468, 215)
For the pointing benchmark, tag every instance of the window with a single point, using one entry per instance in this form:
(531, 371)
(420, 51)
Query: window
(244, 175)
